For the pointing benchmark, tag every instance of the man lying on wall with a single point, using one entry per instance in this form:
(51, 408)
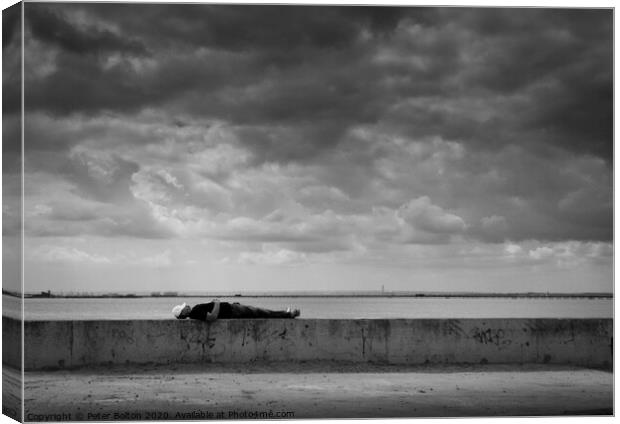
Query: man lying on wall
(225, 310)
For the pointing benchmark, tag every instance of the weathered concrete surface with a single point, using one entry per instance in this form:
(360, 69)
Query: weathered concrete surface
(12, 381)
(11, 341)
(11, 393)
(317, 391)
(67, 344)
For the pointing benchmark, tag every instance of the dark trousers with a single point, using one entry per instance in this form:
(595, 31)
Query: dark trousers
(238, 310)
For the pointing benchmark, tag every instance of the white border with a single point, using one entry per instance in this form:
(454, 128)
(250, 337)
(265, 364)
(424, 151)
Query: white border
(478, 3)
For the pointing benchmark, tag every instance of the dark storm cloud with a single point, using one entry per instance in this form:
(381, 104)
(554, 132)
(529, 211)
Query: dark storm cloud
(11, 59)
(280, 29)
(545, 75)
(562, 61)
(11, 23)
(248, 45)
(82, 85)
(50, 27)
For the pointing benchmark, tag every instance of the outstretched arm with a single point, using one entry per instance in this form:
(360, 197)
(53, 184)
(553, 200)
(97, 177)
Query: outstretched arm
(212, 316)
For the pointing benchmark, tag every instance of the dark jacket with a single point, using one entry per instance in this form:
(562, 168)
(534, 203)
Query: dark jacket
(200, 311)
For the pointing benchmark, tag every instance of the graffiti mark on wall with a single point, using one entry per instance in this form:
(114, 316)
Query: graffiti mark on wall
(122, 336)
(452, 327)
(490, 336)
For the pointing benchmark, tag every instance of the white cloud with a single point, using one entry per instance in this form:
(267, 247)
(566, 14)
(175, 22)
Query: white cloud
(169, 178)
(512, 249)
(60, 254)
(47, 253)
(219, 159)
(273, 257)
(425, 216)
(322, 196)
(540, 253)
(100, 165)
(569, 254)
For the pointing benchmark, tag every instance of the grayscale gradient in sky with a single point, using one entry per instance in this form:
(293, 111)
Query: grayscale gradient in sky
(198, 147)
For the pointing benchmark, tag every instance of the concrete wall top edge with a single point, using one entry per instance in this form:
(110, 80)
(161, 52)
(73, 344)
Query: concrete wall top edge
(321, 319)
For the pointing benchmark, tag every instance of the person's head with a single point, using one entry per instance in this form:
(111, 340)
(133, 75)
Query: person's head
(181, 311)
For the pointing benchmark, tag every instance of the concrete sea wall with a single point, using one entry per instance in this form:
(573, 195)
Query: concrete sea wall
(67, 344)
(11, 342)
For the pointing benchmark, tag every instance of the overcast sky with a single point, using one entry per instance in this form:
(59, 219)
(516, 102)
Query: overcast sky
(196, 147)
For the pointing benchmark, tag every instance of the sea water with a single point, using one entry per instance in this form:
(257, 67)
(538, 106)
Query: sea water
(319, 307)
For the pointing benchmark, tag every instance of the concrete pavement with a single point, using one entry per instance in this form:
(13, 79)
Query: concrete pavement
(314, 390)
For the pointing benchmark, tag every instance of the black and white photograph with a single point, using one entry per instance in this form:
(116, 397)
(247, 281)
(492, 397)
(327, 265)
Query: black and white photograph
(295, 211)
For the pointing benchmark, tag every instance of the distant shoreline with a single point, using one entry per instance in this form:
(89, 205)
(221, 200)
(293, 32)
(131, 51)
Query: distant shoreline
(49, 295)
